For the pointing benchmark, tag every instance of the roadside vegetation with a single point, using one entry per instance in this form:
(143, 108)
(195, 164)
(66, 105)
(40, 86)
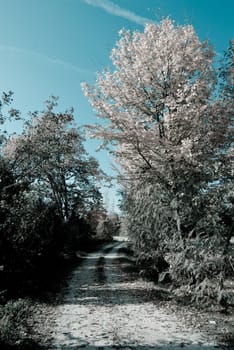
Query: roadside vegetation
(168, 109)
(50, 209)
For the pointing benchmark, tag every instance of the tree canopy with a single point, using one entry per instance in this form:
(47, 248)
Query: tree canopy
(50, 155)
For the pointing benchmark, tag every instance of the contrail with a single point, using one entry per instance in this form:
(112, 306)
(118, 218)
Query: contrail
(115, 10)
(39, 55)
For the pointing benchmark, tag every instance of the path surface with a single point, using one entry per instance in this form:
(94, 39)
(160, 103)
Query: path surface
(106, 308)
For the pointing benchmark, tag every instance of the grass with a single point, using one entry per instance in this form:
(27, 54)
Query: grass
(15, 322)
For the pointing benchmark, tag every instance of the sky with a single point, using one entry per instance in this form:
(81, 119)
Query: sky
(48, 47)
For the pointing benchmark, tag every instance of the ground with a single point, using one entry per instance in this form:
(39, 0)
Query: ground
(104, 306)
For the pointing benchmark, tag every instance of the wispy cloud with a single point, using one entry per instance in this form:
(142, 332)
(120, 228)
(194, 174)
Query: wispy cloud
(115, 10)
(45, 58)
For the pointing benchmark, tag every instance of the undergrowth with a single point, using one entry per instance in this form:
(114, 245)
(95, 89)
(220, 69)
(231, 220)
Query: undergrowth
(15, 322)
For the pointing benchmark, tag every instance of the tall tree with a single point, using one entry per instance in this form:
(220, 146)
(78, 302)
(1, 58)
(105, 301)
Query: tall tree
(160, 108)
(171, 130)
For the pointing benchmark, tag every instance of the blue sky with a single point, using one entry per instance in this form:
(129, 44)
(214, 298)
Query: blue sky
(50, 46)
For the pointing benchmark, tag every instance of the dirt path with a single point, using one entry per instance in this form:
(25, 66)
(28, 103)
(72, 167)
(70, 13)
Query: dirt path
(106, 308)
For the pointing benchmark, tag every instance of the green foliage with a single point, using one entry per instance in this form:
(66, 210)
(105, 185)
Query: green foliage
(149, 218)
(198, 256)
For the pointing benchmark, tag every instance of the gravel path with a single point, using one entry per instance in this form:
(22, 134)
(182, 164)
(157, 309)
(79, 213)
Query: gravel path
(106, 308)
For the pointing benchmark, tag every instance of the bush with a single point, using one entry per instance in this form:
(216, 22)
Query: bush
(14, 321)
(151, 265)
